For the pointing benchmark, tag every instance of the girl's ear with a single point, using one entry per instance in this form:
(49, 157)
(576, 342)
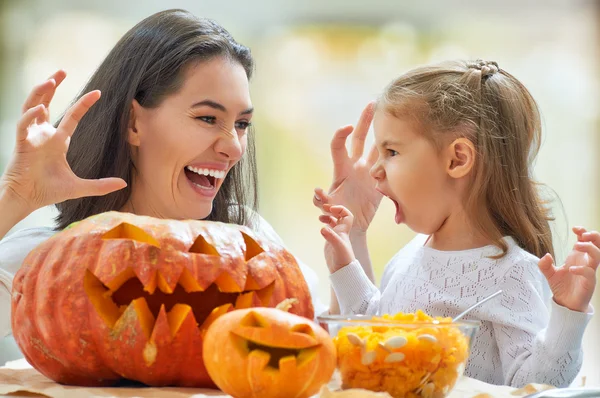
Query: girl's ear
(460, 157)
(133, 136)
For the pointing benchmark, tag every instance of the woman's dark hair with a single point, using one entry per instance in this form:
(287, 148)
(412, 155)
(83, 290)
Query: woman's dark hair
(148, 64)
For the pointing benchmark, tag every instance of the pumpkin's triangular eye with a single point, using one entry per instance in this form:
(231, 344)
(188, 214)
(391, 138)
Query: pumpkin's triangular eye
(129, 231)
(304, 329)
(252, 248)
(201, 246)
(254, 320)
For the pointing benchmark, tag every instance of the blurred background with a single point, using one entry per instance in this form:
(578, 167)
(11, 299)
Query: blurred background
(318, 64)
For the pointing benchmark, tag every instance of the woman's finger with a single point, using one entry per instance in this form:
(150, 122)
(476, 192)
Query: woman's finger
(27, 119)
(58, 77)
(100, 187)
(71, 119)
(43, 92)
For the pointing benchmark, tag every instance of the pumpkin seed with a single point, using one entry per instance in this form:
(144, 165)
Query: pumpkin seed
(383, 347)
(427, 337)
(355, 340)
(396, 342)
(427, 391)
(395, 357)
(368, 357)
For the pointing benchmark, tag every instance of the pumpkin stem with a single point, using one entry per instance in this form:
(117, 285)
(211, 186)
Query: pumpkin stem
(286, 304)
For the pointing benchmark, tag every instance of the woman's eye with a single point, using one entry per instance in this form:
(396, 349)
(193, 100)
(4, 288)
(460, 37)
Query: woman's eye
(242, 125)
(207, 119)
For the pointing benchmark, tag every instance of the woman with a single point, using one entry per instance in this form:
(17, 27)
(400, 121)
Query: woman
(170, 138)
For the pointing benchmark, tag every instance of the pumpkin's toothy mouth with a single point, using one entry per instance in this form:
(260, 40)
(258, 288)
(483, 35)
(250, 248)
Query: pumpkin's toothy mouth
(275, 353)
(157, 297)
(278, 347)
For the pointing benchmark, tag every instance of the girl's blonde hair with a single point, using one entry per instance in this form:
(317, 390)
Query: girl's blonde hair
(481, 102)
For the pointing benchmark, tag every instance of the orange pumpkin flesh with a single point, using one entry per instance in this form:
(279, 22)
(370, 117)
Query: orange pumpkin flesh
(120, 296)
(266, 352)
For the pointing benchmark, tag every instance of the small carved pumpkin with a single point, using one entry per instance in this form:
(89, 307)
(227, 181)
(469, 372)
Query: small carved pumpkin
(269, 353)
(120, 296)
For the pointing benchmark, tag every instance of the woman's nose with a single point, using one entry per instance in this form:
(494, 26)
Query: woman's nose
(230, 145)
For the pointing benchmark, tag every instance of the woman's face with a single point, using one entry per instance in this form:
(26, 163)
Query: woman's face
(184, 148)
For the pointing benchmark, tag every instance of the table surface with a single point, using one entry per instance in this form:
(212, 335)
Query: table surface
(18, 378)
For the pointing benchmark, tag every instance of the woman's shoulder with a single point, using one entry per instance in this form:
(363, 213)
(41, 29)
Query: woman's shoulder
(17, 245)
(31, 236)
(257, 223)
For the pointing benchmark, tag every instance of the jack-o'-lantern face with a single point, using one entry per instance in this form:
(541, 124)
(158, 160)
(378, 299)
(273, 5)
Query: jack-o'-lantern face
(268, 352)
(133, 296)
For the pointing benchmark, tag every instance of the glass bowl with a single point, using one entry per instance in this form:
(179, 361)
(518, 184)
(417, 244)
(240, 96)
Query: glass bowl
(405, 355)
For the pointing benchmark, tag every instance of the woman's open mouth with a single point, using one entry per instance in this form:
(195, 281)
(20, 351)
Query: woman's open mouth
(204, 181)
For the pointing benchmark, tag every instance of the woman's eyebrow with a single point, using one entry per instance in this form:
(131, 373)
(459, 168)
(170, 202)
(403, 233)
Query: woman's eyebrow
(216, 105)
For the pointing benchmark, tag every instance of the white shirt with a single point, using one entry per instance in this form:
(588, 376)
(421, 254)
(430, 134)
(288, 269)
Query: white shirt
(15, 247)
(524, 337)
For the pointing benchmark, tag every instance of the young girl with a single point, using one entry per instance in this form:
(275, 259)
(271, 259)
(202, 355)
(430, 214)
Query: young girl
(454, 145)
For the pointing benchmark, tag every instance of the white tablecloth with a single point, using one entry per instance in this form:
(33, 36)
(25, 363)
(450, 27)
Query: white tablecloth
(18, 378)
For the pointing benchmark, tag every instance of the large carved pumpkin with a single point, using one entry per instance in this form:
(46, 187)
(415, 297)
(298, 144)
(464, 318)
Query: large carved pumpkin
(268, 353)
(120, 296)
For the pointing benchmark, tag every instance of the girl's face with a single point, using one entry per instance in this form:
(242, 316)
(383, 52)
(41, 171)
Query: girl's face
(412, 173)
(184, 148)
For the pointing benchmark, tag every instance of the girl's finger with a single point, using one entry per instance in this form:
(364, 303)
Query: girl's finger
(339, 211)
(331, 221)
(372, 158)
(362, 128)
(586, 272)
(592, 250)
(546, 265)
(592, 236)
(333, 238)
(339, 154)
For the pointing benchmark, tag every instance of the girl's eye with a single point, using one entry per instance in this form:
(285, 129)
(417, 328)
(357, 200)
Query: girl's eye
(207, 119)
(242, 125)
(391, 152)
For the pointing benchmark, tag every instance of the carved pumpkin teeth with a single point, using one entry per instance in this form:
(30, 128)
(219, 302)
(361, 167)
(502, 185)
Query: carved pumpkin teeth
(273, 356)
(177, 302)
(214, 315)
(247, 300)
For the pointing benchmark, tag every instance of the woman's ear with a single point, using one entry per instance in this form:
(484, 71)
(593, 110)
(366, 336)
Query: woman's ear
(133, 136)
(460, 157)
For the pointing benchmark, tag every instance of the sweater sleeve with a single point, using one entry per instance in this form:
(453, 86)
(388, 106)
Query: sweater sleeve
(13, 250)
(536, 344)
(355, 292)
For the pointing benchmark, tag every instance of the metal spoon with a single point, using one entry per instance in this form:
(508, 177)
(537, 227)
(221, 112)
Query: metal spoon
(477, 304)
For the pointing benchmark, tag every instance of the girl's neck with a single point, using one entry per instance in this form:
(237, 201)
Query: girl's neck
(457, 233)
